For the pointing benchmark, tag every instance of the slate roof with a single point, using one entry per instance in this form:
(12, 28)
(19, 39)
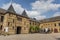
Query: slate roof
(34, 20)
(53, 19)
(24, 14)
(11, 9)
(2, 10)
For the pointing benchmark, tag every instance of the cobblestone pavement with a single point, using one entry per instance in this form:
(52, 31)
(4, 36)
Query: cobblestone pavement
(31, 37)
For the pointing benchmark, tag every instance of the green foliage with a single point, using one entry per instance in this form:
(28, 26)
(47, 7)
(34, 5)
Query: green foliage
(34, 29)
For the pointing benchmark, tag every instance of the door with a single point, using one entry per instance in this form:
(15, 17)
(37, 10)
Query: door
(55, 30)
(18, 30)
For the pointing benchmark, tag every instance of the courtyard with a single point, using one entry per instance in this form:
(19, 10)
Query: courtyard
(35, 36)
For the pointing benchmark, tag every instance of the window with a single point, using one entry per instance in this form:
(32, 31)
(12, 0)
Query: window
(27, 26)
(24, 28)
(4, 29)
(13, 20)
(46, 24)
(33, 23)
(13, 27)
(59, 29)
(59, 24)
(51, 24)
(30, 23)
(25, 23)
(41, 26)
(20, 19)
(1, 27)
(55, 24)
(2, 17)
(10, 14)
(8, 23)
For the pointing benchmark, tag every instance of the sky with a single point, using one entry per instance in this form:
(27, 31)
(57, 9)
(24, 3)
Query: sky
(39, 9)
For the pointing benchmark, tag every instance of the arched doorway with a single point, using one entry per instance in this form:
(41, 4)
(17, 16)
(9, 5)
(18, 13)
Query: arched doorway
(55, 30)
(18, 31)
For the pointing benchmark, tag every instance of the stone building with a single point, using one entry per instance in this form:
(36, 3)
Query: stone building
(13, 23)
(51, 23)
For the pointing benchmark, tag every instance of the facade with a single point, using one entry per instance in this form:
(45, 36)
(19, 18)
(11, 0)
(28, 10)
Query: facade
(34, 26)
(53, 24)
(13, 23)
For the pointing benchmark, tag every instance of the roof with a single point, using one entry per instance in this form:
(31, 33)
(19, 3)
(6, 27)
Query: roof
(24, 14)
(53, 19)
(11, 9)
(34, 20)
(2, 10)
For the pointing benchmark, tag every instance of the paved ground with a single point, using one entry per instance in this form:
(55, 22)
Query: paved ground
(32, 37)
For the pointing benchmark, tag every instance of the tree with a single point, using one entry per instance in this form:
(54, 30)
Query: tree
(36, 29)
(32, 29)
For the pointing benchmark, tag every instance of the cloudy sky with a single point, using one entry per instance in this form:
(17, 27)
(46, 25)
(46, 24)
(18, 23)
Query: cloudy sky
(39, 9)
